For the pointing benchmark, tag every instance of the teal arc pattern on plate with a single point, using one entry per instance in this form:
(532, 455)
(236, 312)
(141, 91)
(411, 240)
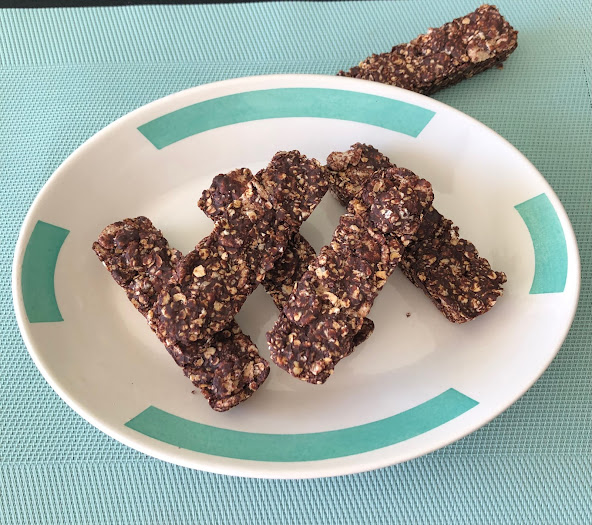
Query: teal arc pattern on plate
(37, 273)
(338, 104)
(69, 72)
(548, 239)
(190, 435)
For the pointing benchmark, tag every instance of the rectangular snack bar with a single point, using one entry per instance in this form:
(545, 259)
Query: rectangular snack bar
(287, 270)
(216, 277)
(444, 56)
(445, 266)
(299, 254)
(229, 369)
(325, 311)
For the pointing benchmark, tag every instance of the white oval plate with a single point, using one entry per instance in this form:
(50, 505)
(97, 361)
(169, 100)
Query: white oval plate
(418, 384)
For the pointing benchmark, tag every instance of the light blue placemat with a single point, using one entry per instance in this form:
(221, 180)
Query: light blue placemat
(65, 74)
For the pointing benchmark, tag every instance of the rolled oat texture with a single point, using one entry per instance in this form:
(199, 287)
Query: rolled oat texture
(443, 56)
(251, 234)
(326, 309)
(448, 268)
(278, 282)
(228, 369)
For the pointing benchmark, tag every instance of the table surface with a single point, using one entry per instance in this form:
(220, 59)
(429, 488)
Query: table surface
(66, 73)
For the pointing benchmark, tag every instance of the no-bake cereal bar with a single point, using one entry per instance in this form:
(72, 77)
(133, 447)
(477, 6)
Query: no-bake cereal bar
(444, 56)
(445, 266)
(324, 313)
(228, 370)
(299, 254)
(249, 236)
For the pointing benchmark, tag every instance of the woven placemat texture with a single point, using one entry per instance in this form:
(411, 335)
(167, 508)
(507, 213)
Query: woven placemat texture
(66, 73)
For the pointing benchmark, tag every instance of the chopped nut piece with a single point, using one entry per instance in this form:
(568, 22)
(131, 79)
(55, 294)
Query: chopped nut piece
(199, 271)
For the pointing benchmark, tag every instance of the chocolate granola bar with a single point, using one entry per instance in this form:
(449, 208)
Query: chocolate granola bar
(444, 56)
(216, 277)
(299, 254)
(450, 271)
(349, 171)
(445, 266)
(326, 310)
(228, 370)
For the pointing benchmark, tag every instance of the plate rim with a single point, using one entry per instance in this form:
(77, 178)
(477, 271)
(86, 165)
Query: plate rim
(252, 468)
